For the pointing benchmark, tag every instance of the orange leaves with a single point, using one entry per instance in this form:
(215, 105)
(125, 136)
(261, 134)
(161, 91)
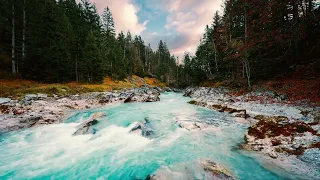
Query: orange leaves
(19, 87)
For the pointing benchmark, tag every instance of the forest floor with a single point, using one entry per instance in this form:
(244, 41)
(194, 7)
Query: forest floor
(17, 88)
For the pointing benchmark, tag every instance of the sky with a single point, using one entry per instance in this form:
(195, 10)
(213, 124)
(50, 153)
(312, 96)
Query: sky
(180, 23)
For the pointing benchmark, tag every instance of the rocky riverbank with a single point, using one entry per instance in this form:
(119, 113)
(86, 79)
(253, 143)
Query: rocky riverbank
(39, 109)
(277, 129)
(205, 169)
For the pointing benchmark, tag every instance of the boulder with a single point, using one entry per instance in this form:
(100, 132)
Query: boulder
(144, 97)
(136, 128)
(143, 129)
(217, 171)
(4, 100)
(85, 127)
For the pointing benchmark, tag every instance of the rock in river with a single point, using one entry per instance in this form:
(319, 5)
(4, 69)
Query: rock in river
(143, 129)
(85, 127)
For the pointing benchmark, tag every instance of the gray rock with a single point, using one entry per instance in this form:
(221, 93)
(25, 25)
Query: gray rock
(42, 96)
(30, 96)
(196, 170)
(85, 127)
(16, 124)
(4, 100)
(143, 129)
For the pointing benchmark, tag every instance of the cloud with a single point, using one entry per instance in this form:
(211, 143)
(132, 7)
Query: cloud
(187, 18)
(124, 14)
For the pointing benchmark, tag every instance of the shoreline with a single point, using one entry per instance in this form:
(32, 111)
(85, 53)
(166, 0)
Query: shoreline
(39, 109)
(278, 131)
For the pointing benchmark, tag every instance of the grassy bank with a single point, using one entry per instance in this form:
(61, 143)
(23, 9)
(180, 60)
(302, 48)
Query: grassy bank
(16, 88)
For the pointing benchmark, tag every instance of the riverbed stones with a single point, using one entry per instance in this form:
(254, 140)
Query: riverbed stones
(148, 96)
(204, 169)
(51, 109)
(275, 135)
(280, 130)
(222, 108)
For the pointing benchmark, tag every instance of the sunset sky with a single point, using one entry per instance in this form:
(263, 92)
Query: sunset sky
(178, 22)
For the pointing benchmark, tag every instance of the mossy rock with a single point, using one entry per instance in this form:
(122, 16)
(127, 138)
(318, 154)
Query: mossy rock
(193, 102)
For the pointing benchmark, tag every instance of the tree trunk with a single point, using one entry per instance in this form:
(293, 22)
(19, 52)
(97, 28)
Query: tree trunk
(295, 25)
(13, 42)
(246, 62)
(309, 8)
(77, 77)
(215, 56)
(77, 57)
(24, 32)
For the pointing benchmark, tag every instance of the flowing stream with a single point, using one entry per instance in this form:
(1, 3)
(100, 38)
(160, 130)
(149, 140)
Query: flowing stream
(52, 152)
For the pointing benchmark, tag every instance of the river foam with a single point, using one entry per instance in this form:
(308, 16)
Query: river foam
(52, 152)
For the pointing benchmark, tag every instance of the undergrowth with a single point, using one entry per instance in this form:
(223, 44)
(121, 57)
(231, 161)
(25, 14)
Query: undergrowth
(17, 88)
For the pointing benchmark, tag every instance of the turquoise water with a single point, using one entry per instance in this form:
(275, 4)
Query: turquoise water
(51, 152)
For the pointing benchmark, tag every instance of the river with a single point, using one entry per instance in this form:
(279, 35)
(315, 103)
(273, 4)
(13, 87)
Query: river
(52, 152)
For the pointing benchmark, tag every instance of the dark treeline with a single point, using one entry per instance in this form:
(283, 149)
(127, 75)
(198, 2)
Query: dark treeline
(59, 41)
(255, 40)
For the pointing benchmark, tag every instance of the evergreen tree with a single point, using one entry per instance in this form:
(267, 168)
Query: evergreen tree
(107, 22)
(91, 66)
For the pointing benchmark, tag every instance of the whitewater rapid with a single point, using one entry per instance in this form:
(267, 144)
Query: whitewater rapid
(52, 152)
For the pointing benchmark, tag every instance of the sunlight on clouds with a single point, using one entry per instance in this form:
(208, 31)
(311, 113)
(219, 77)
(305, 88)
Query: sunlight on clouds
(124, 14)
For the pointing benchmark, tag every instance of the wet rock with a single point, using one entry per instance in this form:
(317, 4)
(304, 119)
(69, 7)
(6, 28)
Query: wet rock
(143, 129)
(136, 127)
(130, 99)
(85, 127)
(150, 177)
(221, 108)
(217, 171)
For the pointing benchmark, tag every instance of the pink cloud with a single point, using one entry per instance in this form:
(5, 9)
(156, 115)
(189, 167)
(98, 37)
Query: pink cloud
(188, 19)
(124, 14)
